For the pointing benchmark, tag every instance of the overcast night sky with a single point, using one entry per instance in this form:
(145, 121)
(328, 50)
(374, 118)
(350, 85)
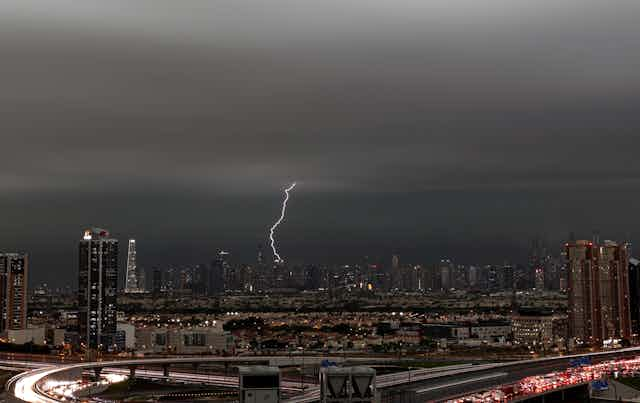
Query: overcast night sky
(432, 128)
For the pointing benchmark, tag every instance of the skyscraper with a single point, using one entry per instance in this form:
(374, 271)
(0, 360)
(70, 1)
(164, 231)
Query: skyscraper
(200, 273)
(507, 277)
(216, 278)
(142, 280)
(494, 278)
(474, 277)
(262, 275)
(396, 275)
(634, 295)
(538, 262)
(598, 290)
(156, 283)
(312, 278)
(446, 271)
(97, 288)
(13, 291)
(131, 284)
(230, 274)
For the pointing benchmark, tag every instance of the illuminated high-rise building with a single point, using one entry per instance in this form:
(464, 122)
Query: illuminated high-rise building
(539, 265)
(634, 295)
(97, 288)
(218, 270)
(13, 291)
(132, 281)
(598, 288)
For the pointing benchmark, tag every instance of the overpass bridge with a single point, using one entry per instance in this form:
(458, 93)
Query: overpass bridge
(490, 376)
(27, 386)
(449, 382)
(434, 384)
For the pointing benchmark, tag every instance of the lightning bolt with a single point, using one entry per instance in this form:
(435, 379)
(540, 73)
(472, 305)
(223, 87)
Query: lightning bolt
(278, 259)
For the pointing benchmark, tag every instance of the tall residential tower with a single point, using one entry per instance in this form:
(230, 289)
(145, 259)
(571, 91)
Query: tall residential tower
(13, 291)
(97, 288)
(598, 290)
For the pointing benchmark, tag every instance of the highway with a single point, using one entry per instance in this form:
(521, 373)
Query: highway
(429, 384)
(186, 377)
(567, 378)
(25, 386)
(199, 378)
(391, 380)
(10, 365)
(437, 389)
(437, 385)
(457, 383)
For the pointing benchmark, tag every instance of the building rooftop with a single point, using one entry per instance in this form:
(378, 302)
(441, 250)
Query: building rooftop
(95, 233)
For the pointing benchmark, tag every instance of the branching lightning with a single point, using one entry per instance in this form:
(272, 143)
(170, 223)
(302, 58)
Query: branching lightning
(278, 259)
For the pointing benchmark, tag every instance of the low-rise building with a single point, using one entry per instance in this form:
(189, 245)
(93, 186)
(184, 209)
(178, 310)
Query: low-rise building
(126, 335)
(34, 335)
(450, 331)
(409, 336)
(491, 330)
(194, 340)
(538, 327)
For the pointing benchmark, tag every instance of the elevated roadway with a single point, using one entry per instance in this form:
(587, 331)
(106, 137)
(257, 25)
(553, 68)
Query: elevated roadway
(434, 384)
(449, 382)
(26, 386)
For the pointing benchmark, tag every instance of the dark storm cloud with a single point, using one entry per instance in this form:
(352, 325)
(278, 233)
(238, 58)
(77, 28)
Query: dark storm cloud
(225, 101)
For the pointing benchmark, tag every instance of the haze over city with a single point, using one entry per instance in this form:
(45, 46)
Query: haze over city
(428, 128)
(293, 201)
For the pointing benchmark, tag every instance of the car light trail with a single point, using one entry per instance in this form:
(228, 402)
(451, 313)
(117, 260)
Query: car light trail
(25, 387)
(462, 382)
(535, 385)
(278, 259)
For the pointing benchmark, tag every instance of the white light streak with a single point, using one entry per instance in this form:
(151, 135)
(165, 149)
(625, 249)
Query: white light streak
(278, 259)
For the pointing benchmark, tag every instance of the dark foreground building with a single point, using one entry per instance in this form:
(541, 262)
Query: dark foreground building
(598, 288)
(97, 289)
(13, 291)
(634, 295)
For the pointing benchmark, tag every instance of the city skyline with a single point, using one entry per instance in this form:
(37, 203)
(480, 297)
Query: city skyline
(284, 201)
(438, 128)
(543, 268)
(382, 256)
